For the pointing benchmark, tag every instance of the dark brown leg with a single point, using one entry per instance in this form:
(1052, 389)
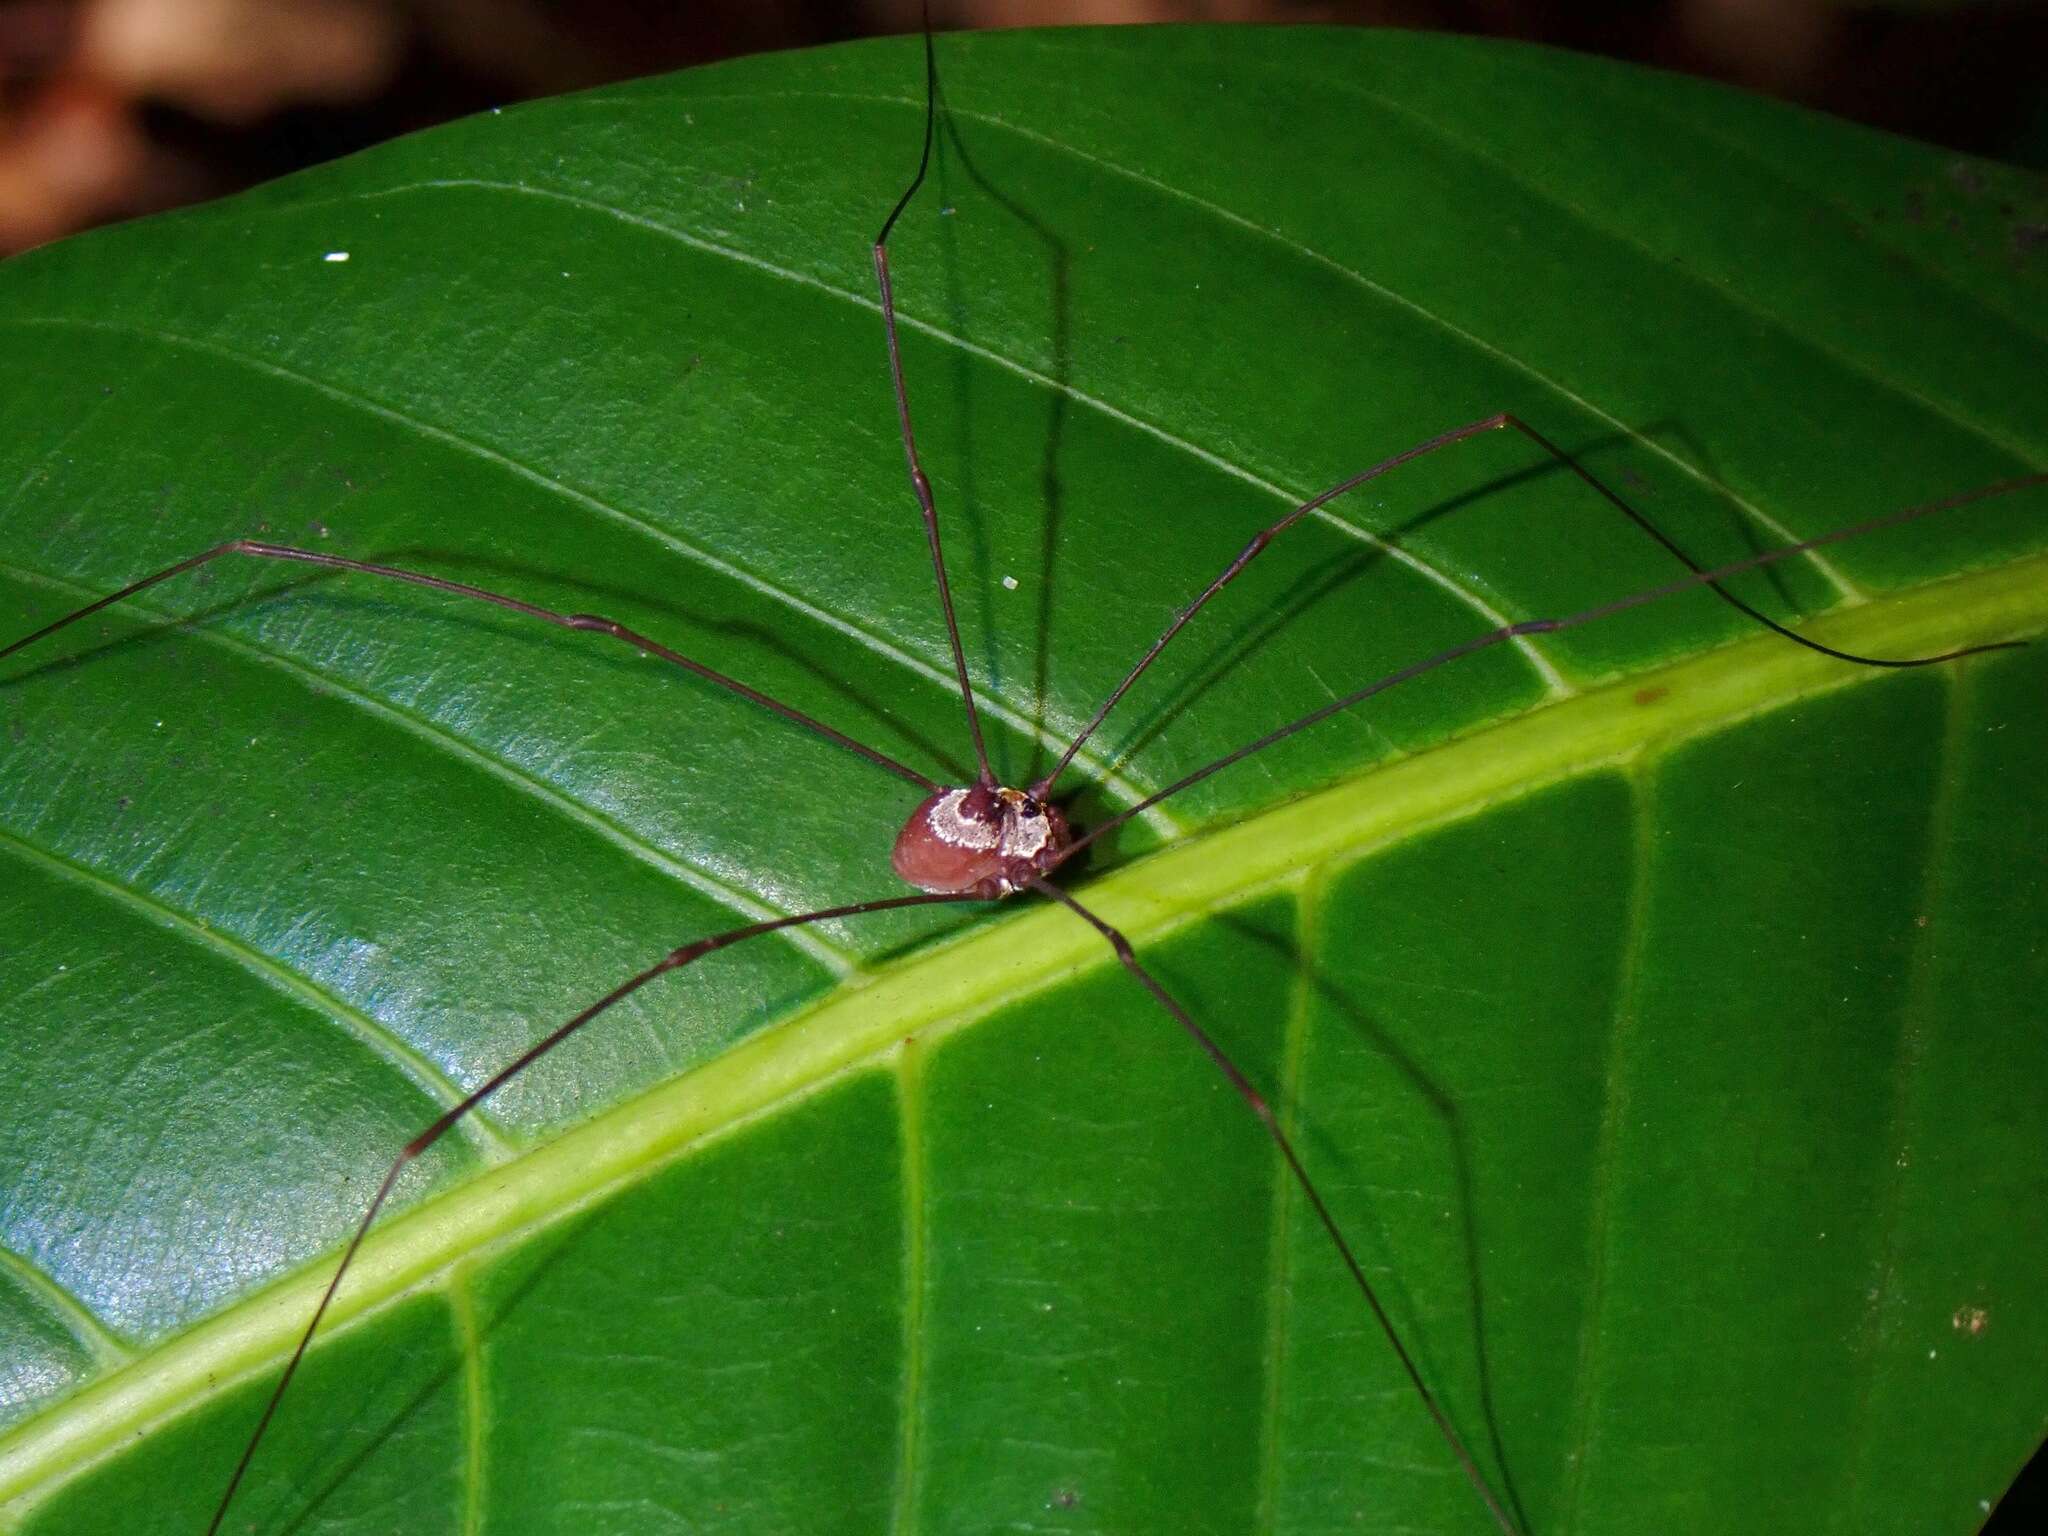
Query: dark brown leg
(674, 960)
(919, 485)
(1493, 637)
(1259, 1107)
(593, 622)
(1495, 423)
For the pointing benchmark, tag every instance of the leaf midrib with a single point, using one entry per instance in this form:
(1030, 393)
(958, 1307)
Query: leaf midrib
(966, 978)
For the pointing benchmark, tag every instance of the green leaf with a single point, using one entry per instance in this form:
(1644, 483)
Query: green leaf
(1656, 1003)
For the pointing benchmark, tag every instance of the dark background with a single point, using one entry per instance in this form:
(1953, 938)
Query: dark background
(110, 108)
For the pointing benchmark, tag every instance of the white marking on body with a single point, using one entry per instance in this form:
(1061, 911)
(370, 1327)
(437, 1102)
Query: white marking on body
(1023, 836)
(949, 826)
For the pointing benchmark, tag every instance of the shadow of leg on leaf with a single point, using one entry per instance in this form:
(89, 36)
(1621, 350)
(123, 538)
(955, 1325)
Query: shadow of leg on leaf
(1324, 1156)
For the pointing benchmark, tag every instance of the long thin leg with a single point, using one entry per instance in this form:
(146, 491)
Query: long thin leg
(1497, 422)
(674, 960)
(919, 484)
(593, 622)
(1258, 1105)
(1704, 578)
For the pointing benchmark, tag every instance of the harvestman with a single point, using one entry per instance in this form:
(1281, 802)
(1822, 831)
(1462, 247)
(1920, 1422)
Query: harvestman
(985, 841)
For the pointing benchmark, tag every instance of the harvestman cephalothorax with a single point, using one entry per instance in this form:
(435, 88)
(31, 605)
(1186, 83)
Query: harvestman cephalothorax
(983, 841)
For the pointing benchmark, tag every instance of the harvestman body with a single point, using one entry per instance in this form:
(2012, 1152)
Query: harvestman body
(985, 841)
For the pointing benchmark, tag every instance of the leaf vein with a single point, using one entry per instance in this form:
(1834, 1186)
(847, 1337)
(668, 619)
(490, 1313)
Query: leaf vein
(1117, 784)
(366, 1031)
(568, 808)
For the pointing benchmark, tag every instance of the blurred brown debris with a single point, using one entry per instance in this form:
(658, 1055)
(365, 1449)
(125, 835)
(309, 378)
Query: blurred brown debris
(110, 108)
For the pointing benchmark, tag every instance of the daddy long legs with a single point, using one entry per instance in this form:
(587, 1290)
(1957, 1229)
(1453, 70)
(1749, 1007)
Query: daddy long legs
(1088, 1490)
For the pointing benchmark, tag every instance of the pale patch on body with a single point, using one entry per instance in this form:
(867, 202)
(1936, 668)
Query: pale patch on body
(1021, 835)
(950, 826)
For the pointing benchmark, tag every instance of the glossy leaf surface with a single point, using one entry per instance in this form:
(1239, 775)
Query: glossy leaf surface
(1657, 1003)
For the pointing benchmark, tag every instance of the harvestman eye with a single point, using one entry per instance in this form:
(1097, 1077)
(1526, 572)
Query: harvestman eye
(987, 841)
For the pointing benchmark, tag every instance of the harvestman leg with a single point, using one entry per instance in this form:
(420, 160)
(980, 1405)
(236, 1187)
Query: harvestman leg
(1500, 420)
(592, 622)
(1700, 578)
(674, 960)
(919, 484)
(1256, 1102)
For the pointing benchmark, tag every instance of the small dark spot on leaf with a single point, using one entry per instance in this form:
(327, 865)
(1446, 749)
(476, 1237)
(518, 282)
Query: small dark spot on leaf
(124, 802)
(2028, 238)
(1650, 695)
(1967, 177)
(1064, 1498)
